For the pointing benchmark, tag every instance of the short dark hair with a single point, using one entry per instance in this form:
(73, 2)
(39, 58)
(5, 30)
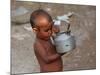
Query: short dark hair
(37, 13)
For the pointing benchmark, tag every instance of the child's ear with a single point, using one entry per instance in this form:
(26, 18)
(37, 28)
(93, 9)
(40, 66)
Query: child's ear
(34, 29)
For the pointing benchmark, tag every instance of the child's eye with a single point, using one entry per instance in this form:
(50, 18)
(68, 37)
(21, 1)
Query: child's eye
(46, 30)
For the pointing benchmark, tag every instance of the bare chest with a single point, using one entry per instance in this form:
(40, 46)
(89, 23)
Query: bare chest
(49, 48)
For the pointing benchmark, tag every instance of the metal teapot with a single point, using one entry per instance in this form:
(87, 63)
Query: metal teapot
(64, 41)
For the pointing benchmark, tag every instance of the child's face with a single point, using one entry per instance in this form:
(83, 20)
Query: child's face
(44, 28)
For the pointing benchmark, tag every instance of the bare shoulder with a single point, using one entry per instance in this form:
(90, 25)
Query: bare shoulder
(38, 45)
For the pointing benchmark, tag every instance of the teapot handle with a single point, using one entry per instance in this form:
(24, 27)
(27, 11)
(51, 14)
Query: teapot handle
(68, 29)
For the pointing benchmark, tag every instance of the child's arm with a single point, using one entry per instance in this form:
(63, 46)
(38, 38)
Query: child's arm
(42, 53)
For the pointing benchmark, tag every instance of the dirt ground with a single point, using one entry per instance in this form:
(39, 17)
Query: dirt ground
(83, 27)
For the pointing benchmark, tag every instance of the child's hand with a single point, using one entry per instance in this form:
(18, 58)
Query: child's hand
(55, 29)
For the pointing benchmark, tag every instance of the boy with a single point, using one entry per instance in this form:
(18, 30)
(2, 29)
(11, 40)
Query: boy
(45, 51)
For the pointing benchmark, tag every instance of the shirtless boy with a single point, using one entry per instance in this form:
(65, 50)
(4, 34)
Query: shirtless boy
(47, 56)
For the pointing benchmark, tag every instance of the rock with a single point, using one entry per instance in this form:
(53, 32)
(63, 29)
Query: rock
(19, 11)
(20, 15)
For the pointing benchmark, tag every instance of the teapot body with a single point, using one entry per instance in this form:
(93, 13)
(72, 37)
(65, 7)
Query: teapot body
(64, 42)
